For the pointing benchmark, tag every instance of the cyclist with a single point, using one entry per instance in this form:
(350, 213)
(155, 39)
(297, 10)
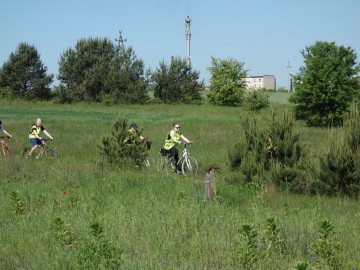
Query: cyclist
(34, 136)
(133, 134)
(2, 129)
(174, 138)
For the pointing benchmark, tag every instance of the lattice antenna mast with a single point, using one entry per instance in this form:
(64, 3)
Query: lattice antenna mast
(121, 41)
(188, 37)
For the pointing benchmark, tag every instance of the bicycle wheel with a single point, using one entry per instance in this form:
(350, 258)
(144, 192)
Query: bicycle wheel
(25, 152)
(165, 164)
(6, 150)
(149, 163)
(49, 154)
(190, 166)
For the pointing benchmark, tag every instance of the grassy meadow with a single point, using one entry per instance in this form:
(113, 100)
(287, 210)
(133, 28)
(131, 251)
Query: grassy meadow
(76, 214)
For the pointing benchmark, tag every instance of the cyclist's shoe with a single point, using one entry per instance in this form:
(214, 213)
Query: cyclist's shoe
(178, 172)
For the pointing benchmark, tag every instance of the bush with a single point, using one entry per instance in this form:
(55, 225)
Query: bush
(116, 152)
(6, 92)
(339, 171)
(256, 100)
(268, 155)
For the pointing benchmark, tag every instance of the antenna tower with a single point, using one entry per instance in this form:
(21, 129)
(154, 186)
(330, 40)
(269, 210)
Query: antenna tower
(121, 41)
(188, 37)
(289, 67)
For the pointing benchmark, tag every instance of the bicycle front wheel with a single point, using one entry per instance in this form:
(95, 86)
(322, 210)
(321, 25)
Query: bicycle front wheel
(6, 150)
(190, 166)
(49, 154)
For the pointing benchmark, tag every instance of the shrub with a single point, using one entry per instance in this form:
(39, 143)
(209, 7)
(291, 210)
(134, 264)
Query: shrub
(256, 100)
(339, 171)
(117, 152)
(268, 154)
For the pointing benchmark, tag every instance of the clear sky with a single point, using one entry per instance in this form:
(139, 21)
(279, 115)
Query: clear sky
(266, 35)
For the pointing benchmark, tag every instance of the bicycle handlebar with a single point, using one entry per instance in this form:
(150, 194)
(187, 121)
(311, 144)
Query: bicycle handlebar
(5, 137)
(186, 143)
(47, 139)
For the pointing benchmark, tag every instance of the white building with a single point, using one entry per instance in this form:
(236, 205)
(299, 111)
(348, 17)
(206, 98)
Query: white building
(258, 82)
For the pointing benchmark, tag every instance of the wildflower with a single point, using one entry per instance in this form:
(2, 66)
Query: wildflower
(64, 192)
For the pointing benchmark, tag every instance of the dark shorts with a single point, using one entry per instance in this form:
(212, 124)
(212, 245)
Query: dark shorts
(35, 141)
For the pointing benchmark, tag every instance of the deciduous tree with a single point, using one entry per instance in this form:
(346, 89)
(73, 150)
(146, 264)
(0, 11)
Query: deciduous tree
(226, 83)
(326, 84)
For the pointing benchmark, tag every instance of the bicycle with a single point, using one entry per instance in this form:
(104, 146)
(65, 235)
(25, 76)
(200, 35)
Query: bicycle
(189, 164)
(149, 161)
(5, 149)
(45, 152)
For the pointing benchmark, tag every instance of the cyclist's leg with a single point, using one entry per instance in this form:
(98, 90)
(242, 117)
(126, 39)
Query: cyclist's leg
(174, 152)
(34, 145)
(164, 163)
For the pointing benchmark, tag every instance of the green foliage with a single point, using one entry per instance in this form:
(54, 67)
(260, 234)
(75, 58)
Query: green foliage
(25, 74)
(6, 93)
(256, 246)
(226, 82)
(62, 232)
(177, 228)
(176, 83)
(249, 248)
(256, 100)
(115, 150)
(302, 266)
(99, 253)
(275, 241)
(62, 95)
(339, 171)
(326, 249)
(326, 85)
(96, 69)
(271, 153)
(17, 202)
(125, 82)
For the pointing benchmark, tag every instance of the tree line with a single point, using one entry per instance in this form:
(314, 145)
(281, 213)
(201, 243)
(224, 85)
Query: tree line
(96, 70)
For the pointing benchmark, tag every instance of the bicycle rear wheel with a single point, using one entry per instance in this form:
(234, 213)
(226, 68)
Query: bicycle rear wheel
(149, 163)
(190, 166)
(165, 164)
(25, 152)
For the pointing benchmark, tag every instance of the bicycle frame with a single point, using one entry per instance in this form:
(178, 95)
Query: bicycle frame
(184, 155)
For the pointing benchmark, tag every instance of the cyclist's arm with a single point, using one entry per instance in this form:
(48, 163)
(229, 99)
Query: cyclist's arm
(141, 138)
(48, 135)
(185, 139)
(36, 135)
(7, 133)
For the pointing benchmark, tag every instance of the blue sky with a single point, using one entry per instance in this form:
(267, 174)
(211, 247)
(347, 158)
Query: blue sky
(266, 35)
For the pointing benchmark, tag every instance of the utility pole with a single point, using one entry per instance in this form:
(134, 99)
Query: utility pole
(188, 37)
(289, 67)
(121, 41)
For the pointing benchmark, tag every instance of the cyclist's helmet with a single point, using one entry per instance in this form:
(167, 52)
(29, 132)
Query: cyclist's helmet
(133, 125)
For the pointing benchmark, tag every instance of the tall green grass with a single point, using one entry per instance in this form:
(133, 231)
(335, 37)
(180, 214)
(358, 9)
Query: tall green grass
(155, 221)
